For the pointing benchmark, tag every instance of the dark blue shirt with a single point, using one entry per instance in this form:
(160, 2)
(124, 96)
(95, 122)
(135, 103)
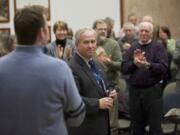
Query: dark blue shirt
(155, 54)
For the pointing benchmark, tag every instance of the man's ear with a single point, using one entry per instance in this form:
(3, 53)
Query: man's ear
(40, 35)
(41, 32)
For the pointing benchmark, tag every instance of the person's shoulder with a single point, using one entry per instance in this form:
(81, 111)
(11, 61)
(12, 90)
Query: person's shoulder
(135, 39)
(70, 42)
(157, 44)
(119, 39)
(171, 41)
(3, 58)
(50, 45)
(178, 43)
(54, 61)
(59, 66)
(111, 41)
(135, 43)
(74, 62)
(157, 47)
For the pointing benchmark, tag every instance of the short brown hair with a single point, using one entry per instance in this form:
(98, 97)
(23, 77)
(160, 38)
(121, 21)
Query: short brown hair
(99, 21)
(60, 24)
(27, 23)
(166, 30)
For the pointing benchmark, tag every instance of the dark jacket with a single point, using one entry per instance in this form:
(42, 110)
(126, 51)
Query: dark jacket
(155, 54)
(96, 121)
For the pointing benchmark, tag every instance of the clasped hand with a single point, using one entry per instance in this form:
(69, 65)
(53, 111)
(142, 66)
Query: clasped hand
(140, 59)
(60, 51)
(107, 102)
(104, 59)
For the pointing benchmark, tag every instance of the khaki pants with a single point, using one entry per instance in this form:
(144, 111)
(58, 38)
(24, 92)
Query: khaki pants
(113, 114)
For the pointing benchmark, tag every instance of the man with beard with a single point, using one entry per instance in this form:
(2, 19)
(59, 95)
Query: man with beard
(111, 63)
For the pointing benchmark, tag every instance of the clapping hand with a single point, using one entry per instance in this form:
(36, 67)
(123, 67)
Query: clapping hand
(126, 46)
(140, 59)
(104, 59)
(68, 52)
(59, 51)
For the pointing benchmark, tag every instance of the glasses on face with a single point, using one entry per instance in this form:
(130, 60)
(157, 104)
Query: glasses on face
(102, 29)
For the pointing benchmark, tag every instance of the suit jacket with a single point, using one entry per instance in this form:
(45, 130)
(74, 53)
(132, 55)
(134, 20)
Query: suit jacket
(37, 94)
(97, 120)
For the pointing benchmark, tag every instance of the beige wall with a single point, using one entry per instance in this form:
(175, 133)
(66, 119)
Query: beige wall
(164, 12)
(77, 13)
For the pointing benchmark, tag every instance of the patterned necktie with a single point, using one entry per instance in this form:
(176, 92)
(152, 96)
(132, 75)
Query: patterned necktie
(97, 74)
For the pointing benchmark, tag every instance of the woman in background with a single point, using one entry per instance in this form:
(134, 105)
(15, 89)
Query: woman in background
(62, 47)
(170, 45)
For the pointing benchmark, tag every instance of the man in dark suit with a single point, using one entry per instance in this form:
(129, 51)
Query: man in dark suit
(91, 86)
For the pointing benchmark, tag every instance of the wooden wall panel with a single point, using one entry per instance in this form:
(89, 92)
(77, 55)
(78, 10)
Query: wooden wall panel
(164, 12)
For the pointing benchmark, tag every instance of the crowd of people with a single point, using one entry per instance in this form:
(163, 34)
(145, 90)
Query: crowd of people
(73, 85)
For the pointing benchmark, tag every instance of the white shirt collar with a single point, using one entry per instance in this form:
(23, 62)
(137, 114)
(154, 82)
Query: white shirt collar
(149, 41)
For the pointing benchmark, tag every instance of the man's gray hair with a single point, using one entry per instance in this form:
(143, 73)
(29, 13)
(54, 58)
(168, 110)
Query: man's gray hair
(146, 25)
(129, 25)
(82, 30)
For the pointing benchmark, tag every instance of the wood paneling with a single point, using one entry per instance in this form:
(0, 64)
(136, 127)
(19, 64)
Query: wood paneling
(164, 12)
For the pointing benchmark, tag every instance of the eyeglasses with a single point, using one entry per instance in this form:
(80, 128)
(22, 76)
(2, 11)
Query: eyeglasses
(102, 29)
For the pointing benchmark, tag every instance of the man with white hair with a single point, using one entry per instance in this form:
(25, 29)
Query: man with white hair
(146, 62)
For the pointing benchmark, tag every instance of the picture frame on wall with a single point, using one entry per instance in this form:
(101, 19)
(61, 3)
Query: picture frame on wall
(5, 31)
(4, 11)
(121, 12)
(18, 4)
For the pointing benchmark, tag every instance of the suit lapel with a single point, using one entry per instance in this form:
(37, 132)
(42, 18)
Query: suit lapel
(87, 71)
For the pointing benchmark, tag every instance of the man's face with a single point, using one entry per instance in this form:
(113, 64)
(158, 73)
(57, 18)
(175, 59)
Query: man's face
(87, 44)
(133, 20)
(129, 32)
(101, 29)
(145, 34)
